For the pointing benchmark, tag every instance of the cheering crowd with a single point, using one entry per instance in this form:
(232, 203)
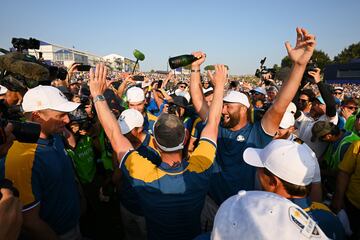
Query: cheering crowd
(197, 158)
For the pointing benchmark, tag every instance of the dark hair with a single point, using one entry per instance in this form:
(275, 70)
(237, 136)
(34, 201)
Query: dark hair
(169, 131)
(291, 189)
(348, 101)
(308, 92)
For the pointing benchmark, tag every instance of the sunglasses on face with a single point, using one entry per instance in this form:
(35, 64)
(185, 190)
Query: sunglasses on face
(337, 93)
(181, 86)
(352, 108)
(303, 100)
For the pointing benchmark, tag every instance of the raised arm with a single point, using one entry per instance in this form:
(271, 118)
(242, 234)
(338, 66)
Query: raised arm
(211, 129)
(120, 91)
(98, 85)
(325, 92)
(300, 55)
(196, 93)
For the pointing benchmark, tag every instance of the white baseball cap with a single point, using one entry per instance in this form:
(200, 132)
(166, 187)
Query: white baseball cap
(130, 119)
(260, 90)
(237, 97)
(263, 215)
(287, 121)
(135, 95)
(47, 97)
(206, 90)
(184, 94)
(3, 90)
(288, 160)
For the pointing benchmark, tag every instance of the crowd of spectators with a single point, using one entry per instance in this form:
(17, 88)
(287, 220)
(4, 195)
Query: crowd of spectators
(198, 156)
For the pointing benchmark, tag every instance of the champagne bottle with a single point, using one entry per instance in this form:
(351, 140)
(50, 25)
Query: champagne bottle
(181, 61)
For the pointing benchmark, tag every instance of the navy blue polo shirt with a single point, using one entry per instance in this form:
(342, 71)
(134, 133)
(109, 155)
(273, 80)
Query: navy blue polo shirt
(231, 172)
(43, 174)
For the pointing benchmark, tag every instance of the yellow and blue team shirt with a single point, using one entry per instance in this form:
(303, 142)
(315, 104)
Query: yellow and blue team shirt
(197, 128)
(44, 175)
(149, 121)
(231, 172)
(322, 215)
(128, 196)
(171, 197)
(351, 165)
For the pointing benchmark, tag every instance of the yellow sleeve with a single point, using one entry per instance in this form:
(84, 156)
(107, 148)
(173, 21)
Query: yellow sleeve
(348, 164)
(203, 156)
(141, 168)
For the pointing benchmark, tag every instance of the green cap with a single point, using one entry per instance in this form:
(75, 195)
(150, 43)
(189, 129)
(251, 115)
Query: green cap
(139, 55)
(321, 128)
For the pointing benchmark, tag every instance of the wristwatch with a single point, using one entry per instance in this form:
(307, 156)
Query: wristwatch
(99, 98)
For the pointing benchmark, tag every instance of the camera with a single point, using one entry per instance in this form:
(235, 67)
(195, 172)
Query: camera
(20, 71)
(27, 132)
(173, 108)
(311, 66)
(264, 70)
(22, 44)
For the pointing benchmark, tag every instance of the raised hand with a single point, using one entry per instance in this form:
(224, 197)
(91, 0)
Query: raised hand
(98, 83)
(315, 74)
(201, 58)
(220, 76)
(305, 45)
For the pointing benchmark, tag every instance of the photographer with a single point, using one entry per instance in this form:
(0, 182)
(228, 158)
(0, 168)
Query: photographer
(323, 108)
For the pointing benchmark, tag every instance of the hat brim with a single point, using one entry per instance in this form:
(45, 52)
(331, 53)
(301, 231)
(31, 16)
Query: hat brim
(252, 156)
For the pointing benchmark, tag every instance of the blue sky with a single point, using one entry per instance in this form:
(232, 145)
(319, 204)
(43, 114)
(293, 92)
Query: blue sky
(236, 33)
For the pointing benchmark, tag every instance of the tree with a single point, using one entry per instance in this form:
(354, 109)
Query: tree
(286, 62)
(349, 53)
(321, 59)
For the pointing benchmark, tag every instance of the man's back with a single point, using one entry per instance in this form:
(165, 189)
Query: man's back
(172, 197)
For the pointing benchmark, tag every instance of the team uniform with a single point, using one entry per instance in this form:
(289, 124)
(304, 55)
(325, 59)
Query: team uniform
(198, 126)
(351, 165)
(131, 211)
(171, 197)
(149, 121)
(43, 174)
(231, 173)
(323, 216)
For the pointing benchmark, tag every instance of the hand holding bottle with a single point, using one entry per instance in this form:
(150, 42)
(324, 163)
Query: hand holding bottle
(200, 59)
